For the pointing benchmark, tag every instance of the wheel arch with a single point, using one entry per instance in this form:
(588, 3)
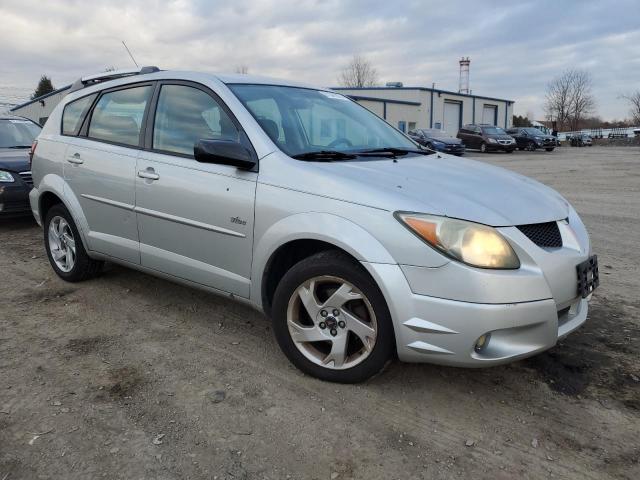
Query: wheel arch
(299, 236)
(53, 190)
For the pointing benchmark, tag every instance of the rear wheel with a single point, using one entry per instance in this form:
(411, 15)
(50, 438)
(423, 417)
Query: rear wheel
(549, 149)
(331, 320)
(64, 247)
(531, 146)
(483, 147)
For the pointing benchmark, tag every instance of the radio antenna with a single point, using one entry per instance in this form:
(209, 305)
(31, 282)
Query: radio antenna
(129, 52)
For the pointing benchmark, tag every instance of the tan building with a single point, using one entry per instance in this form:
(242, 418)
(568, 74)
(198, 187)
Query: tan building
(408, 108)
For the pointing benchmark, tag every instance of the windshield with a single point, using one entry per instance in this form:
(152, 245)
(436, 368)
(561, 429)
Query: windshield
(533, 131)
(493, 131)
(303, 120)
(17, 133)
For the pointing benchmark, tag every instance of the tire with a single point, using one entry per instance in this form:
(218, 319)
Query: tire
(483, 147)
(329, 273)
(531, 147)
(82, 267)
(549, 149)
(429, 146)
(509, 150)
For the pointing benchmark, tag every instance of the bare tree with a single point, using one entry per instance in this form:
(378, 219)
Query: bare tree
(242, 69)
(633, 99)
(569, 98)
(359, 73)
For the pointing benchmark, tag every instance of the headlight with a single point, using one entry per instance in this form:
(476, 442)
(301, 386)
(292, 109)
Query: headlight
(437, 144)
(471, 243)
(6, 177)
(492, 140)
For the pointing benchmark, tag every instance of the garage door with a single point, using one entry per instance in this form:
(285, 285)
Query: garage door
(451, 122)
(489, 114)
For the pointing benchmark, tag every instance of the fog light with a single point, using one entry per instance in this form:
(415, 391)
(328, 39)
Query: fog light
(482, 342)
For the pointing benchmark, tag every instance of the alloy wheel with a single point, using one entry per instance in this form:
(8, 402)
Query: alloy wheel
(331, 322)
(62, 245)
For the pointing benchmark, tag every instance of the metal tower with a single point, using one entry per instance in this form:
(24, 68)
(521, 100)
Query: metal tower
(464, 75)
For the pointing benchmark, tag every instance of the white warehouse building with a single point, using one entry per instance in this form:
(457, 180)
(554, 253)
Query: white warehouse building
(408, 108)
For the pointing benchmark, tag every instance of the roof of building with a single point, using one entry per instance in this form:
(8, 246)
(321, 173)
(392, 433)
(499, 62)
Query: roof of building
(426, 89)
(41, 97)
(384, 100)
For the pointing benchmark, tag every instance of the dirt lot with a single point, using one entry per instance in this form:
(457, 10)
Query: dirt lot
(132, 377)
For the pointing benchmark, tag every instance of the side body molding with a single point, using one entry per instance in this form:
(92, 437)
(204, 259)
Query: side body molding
(325, 227)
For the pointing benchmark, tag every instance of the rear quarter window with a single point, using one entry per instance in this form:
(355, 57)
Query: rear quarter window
(74, 113)
(118, 115)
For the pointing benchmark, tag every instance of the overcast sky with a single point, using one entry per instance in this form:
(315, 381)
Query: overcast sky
(516, 47)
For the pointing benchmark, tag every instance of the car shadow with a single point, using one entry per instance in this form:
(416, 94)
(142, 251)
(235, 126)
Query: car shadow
(17, 223)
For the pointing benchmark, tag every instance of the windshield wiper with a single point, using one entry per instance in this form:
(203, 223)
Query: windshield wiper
(20, 146)
(392, 152)
(326, 155)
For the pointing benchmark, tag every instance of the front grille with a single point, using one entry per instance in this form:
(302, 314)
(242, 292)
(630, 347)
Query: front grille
(504, 142)
(27, 178)
(543, 234)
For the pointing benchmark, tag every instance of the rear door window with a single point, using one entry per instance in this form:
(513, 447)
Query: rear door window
(74, 112)
(185, 115)
(118, 115)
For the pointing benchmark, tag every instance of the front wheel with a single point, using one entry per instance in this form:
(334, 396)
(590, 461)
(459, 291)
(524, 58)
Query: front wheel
(331, 320)
(64, 247)
(531, 147)
(483, 147)
(549, 149)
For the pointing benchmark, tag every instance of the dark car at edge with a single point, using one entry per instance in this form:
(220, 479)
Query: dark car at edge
(17, 135)
(439, 140)
(486, 138)
(530, 138)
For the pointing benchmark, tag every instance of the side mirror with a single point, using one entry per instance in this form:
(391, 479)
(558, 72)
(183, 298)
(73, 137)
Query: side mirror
(224, 152)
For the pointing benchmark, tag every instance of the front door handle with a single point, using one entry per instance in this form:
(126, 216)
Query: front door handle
(149, 174)
(75, 158)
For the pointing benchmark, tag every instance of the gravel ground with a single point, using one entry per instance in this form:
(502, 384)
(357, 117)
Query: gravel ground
(132, 377)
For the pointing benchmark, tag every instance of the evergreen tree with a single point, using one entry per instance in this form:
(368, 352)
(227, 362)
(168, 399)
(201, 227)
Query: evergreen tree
(44, 86)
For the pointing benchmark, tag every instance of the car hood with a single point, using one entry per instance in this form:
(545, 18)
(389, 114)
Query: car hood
(447, 141)
(500, 137)
(442, 185)
(15, 160)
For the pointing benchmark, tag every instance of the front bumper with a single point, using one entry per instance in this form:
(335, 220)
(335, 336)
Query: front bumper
(441, 331)
(509, 147)
(451, 149)
(440, 313)
(14, 198)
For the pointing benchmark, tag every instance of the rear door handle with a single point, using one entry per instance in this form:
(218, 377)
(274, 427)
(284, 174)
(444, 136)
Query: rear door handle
(149, 174)
(75, 158)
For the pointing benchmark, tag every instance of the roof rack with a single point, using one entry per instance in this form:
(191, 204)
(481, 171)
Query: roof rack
(112, 75)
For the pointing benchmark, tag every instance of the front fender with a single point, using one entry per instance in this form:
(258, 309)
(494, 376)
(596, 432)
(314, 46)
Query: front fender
(326, 227)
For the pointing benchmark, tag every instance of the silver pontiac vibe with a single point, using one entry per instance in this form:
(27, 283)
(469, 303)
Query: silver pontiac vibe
(359, 244)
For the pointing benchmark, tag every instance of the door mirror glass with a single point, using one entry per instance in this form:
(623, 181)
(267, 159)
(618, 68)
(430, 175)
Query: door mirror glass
(224, 152)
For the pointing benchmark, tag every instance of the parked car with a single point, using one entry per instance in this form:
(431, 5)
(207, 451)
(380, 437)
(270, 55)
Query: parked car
(358, 244)
(438, 140)
(16, 138)
(581, 140)
(529, 138)
(486, 138)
